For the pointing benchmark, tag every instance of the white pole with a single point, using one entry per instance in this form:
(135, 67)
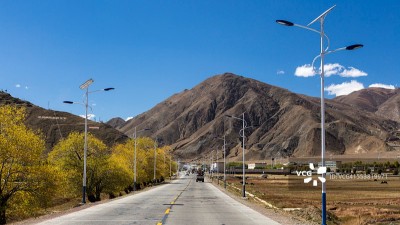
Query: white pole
(164, 167)
(244, 178)
(134, 163)
(177, 168)
(155, 160)
(212, 166)
(322, 54)
(323, 121)
(216, 165)
(85, 149)
(224, 164)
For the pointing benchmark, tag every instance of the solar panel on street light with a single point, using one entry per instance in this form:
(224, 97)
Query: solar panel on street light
(86, 84)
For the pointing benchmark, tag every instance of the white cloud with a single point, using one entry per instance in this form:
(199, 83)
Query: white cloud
(26, 87)
(89, 116)
(304, 71)
(330, 69)
(131, 117)
(344, 88)
(280, 72)
(387, 86)
(352, 72)
(17, 85)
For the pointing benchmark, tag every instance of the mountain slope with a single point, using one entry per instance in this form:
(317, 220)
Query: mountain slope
(55, 125)
(381, 101)
(391, 108)
(116, 122)
(288, 124)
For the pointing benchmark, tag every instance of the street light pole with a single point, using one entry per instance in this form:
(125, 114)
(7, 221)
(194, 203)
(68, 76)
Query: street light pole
(224, 163)
(177, 168)
(164, 166)
(85, 147)
(212, 166)
(85, 86)
(224, 160)
(170, 167)
(135, 161)
(244, 175)
(155, 160)
(322, 54)
(134, 164)
(216, 165)
(242, 134)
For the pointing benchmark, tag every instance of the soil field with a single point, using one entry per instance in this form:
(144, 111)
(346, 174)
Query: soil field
(350, 199)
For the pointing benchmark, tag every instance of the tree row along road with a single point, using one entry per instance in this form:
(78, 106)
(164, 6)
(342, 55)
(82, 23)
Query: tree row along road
(181, 202)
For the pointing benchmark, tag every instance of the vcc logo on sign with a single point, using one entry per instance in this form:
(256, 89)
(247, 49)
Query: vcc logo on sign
(321, 170)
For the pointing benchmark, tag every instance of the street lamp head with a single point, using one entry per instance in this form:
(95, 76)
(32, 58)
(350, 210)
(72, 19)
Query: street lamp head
(68, 102)
(86, 84)
(108, 89)
(285, 23)
(353, 47)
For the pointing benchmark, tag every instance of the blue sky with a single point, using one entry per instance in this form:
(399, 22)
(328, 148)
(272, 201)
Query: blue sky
(150, 50)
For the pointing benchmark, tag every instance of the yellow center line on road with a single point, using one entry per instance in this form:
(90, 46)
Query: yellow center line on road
(170, 207)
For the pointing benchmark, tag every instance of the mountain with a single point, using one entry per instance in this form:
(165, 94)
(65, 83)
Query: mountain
(284, 123)
(116, 122)
(55, 125)
(383, 102)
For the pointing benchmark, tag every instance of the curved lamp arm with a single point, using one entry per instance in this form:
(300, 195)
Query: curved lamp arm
(290, 24)
(349, 48)
(238, 118)
(104, 89)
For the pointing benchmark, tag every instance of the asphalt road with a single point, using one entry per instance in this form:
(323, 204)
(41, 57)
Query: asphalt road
(182, 202)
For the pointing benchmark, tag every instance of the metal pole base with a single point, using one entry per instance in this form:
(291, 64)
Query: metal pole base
(244, 191)
(323, 208)
(83, 194)
(134, 186)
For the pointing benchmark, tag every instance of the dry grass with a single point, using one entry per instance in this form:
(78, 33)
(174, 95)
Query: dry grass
(352, 201)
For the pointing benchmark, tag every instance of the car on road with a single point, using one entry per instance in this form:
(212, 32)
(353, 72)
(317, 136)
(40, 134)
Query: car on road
(200, 176)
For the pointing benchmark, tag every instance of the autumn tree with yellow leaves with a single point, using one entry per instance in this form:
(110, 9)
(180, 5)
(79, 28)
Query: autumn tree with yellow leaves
(27, 182)
(108, 171)
(146, 158)
(123, 155)
(67, 156)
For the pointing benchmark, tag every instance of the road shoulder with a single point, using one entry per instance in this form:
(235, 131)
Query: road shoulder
(52, 215)
(278, 215)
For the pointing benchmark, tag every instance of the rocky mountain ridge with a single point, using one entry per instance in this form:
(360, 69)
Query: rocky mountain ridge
(287, 124)
(383, 102)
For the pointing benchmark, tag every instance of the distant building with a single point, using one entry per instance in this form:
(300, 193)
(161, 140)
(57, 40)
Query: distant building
(333, 165)
(217, 167)
(253, 166)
